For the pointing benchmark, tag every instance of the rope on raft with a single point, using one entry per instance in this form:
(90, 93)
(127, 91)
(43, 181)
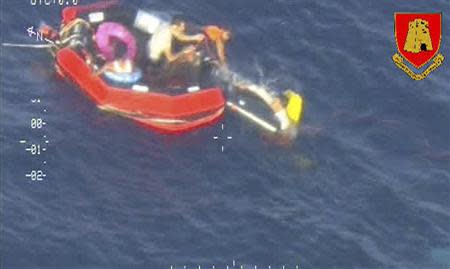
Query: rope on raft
(32, 46)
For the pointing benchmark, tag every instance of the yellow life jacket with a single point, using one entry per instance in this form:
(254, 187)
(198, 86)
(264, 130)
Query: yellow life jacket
(294, 107)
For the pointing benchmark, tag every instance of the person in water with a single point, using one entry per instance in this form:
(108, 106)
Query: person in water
(219, 37)
(161, 43)
(288, 116)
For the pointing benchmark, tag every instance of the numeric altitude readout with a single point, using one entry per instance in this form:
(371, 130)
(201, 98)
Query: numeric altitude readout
(37, 142)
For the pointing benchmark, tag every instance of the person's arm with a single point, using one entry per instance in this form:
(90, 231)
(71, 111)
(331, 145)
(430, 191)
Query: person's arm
(175, 57)
(273, 102)
(220, 46)
(169, 55)
(188, 38)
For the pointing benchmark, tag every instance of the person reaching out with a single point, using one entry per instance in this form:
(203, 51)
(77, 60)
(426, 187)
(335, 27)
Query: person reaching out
(160, 44)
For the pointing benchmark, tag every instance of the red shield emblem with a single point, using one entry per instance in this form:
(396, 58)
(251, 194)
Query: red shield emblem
(418, 36)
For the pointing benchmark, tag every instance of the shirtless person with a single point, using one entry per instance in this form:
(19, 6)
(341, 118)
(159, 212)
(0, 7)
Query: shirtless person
(160, 44)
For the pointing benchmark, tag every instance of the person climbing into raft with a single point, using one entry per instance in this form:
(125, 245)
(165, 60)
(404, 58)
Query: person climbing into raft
(287, 112)
(219, 37)
(161, 43)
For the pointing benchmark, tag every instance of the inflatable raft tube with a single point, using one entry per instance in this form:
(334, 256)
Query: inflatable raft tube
(161, 112)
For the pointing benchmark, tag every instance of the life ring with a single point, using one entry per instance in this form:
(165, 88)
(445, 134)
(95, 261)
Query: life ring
(125, 78)
(105, 35)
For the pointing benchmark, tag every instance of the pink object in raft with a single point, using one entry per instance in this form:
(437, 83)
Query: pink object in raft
(107, 33)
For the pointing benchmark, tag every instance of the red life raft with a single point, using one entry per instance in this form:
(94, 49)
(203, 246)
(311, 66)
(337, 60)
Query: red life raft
(161, 112)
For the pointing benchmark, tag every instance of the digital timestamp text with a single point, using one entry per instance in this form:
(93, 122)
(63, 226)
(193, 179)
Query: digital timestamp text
(54, 2)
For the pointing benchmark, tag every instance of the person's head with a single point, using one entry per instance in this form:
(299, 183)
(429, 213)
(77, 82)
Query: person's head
(226, 35)
(179, 25)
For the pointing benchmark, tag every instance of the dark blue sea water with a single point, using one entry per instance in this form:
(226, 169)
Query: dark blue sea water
(366, 184)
